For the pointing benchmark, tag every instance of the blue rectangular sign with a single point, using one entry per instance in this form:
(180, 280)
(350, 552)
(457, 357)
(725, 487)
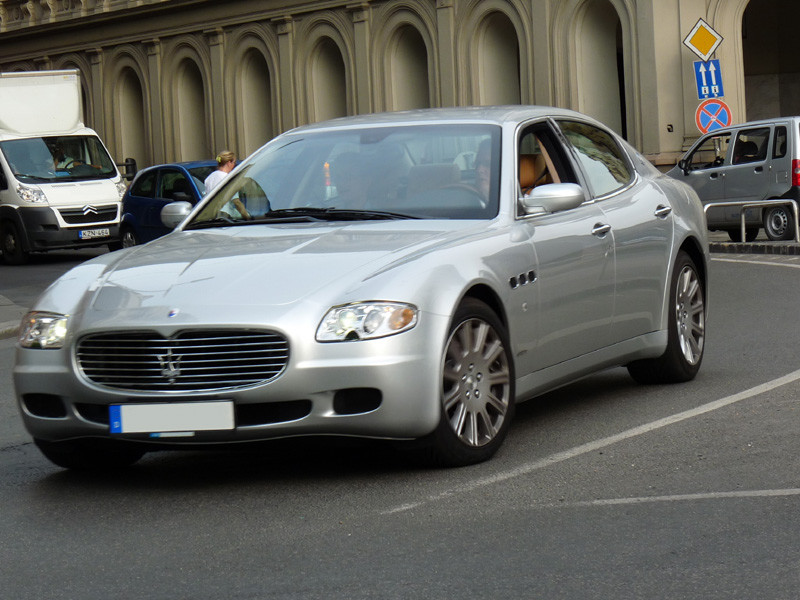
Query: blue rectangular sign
(708, 76)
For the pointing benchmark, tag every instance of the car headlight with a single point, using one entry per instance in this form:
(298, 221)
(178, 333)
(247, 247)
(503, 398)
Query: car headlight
(31, 193)
(366, 320)
(122, 187)
(43, 330)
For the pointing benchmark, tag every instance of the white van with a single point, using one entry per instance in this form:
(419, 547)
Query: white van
(59, 188)
(750, 162)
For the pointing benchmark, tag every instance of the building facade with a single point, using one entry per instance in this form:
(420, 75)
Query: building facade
(171, 80)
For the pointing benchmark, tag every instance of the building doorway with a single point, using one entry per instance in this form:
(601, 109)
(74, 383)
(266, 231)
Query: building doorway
(771, 68)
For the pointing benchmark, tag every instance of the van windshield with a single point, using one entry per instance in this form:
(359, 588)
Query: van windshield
(58, 158)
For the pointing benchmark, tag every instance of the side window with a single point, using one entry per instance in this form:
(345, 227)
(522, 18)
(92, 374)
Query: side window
(751, 146)
(145, 185)
(710, 153)
(779, 142)
(541, 159)
(174, 182)
(603, 161)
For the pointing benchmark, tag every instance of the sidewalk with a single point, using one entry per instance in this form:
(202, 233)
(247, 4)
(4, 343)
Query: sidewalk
(10, 313)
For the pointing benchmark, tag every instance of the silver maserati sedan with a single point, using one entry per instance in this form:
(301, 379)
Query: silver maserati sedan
(404, 276)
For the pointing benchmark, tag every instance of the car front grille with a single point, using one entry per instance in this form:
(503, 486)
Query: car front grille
(195, 360)
(88, 214)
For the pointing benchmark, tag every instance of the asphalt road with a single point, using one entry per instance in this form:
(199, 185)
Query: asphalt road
(604, 489)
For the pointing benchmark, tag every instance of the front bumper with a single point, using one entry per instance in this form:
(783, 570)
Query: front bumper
(385, 388)
(44, 231)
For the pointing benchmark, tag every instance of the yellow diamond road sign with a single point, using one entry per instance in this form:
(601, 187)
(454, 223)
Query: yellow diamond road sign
(703, 40)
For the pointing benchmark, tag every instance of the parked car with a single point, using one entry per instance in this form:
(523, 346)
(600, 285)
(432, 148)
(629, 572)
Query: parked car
(406, 276)
(754, 161)
(151, 190)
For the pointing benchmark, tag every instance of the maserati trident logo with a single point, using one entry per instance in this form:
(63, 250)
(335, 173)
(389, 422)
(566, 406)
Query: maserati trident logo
(170, 366)
(89, 210)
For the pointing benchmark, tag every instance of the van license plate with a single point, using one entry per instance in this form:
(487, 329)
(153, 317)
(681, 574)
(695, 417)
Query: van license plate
(88, 234)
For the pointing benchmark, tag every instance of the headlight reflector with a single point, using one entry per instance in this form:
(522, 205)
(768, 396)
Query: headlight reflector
(366, 320)
(31, 193)
(43, 330)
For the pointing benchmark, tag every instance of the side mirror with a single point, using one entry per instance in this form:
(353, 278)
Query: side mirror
(174, 213)
(553, 197)
(129, 170)
(683, 164)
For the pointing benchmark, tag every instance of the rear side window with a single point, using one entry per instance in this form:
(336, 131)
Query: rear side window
(145, 185)
(751, 146)
(779, 142)
(603, 161)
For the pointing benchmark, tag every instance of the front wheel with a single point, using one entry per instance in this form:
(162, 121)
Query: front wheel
(11, 244)
(477, 389)
(89, 454)
(750, 234)
(778, 223)
(686, 330)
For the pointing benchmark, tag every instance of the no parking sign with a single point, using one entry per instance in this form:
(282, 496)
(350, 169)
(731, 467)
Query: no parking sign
(712, 114)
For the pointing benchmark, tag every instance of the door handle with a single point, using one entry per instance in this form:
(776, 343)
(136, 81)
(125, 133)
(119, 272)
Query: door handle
(759, 169)
(600, 229)
(662, 212)
(714, 175)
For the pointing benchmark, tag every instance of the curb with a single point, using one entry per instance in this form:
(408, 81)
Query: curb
(8, 329)
(785, 248)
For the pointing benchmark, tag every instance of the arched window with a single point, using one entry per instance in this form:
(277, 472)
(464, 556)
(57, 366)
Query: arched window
(129, 105)
(408, 71)
(601, 85)
(191, 117)
(256, 103)
(498, 61)
(328, 81)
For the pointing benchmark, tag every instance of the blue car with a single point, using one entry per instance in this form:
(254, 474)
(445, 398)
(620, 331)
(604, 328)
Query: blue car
(152, 189)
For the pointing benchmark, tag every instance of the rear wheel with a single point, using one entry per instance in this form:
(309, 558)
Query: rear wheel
(11, 244)
(686, 336)
(778, 223)
(89, 454)
(477, 389)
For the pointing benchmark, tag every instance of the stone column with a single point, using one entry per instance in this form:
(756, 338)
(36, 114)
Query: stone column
(287, 112)
(218, 116)
(445, 25)
(155, 101)
(362, 69)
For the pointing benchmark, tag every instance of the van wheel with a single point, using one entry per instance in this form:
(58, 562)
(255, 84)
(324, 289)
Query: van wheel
(778, 223)
(750, 234)
(686, 330)
(11, 244)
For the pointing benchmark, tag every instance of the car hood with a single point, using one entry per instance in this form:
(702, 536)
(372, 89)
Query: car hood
(70, 193)
(256, 266)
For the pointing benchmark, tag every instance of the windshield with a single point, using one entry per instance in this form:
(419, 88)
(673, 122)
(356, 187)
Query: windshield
(428, 172)
(58, 158)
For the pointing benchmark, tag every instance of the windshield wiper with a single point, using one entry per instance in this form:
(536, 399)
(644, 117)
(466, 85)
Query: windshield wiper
(218, 222)
(330, 214)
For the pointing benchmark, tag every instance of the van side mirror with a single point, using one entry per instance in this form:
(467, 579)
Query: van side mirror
(129, 168)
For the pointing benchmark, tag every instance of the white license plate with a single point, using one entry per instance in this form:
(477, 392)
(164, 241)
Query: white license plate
(88, 234)
(173, 417)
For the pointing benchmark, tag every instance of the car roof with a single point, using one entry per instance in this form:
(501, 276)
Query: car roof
(772, 121)
(498, 115)
(190, 164)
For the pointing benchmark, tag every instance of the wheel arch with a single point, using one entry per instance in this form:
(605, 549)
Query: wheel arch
(488, 296)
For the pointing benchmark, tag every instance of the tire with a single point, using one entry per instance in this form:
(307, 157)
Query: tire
(750, 234)
(778, 223)
(477, 390)
(90, 454)
(686, 335)
(11, 244)
(127, 239)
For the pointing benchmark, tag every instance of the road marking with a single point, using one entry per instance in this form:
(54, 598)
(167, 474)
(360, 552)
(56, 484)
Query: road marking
(755, 262)
(595, 445)
(679, 498)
